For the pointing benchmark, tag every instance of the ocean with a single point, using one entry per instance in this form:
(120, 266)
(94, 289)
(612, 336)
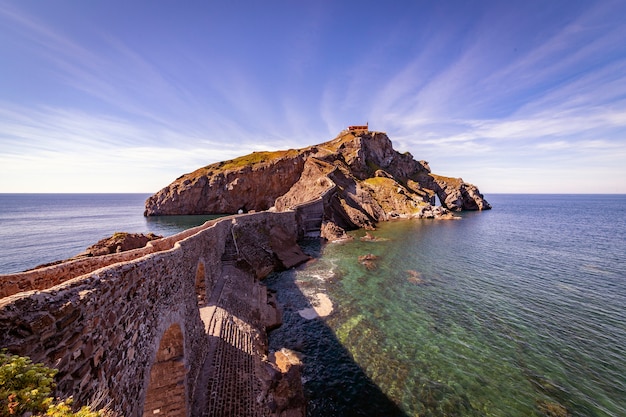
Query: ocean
(516, 311)
(39, 228)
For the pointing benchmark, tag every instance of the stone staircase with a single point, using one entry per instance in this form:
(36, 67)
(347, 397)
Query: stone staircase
(231, 254)
(311, 218)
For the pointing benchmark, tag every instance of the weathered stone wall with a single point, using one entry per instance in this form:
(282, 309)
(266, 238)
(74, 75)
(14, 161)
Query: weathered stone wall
(166, 390)
(42, 278)
(103, 330)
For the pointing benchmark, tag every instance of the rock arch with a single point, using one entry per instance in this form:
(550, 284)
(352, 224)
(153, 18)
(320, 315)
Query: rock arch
(166, 390)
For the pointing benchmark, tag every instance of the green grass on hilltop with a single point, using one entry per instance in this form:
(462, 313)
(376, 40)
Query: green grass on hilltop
(381, 182)
(455, 182)
(254, 158)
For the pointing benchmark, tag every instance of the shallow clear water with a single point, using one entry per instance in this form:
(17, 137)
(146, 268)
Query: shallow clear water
(517, 311)
(41, 228)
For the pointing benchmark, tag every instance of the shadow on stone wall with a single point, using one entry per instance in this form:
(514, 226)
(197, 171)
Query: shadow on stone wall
(334, 384)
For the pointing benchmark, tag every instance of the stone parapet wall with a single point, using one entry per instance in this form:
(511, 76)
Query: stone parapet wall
(103, 329)
(46, 277)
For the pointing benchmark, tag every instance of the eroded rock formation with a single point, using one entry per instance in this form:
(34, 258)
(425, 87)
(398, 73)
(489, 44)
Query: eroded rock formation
(119, 242)
(252, 182)
(359, 176)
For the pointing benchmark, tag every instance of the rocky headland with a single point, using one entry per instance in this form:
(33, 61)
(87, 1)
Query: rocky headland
(158, 324)
(364, 179)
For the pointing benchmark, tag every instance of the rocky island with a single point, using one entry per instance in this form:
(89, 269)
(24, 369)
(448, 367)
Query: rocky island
(364, 178)
(178, 326)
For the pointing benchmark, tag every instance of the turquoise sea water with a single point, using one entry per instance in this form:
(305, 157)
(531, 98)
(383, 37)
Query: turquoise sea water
(517, 311)
(41, 228)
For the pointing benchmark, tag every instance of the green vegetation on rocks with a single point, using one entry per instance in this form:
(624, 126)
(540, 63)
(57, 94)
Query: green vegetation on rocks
(26, 388)
(255, 158)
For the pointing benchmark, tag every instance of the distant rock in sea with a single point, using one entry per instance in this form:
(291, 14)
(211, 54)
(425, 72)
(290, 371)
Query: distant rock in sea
(116, 243)
(119, 242)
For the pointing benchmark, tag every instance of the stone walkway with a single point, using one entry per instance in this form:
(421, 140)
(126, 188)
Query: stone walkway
(229, 371)
(233, 386)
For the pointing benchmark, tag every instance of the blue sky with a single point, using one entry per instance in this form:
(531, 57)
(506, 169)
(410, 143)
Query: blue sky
(119, 96)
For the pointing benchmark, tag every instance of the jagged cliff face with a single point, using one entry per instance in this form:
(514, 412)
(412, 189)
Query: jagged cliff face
(362, 178)
(252, 182)
(458, 195)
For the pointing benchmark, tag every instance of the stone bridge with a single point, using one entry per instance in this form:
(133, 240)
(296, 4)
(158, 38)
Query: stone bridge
(177, 328)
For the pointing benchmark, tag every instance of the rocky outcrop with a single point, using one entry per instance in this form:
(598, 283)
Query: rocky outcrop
(360, 178)
(249, 183)
(119, 242)
(457, 195)
(265, 248)
(284, 393)
(116, 243)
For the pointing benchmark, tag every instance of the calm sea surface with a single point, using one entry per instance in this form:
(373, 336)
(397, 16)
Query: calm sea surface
(517, 311)
(42, 228)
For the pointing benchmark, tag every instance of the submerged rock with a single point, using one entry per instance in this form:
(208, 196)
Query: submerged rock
(321, 307)
(415, 277)
(368, 261)
(368, 257)
(551, 409)
(370, 238)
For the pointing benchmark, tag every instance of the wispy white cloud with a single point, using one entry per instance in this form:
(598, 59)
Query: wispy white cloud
(485, 88)
(547, 97)
(222, 99)
(552, 75)
(107, 153)
(140, 120)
